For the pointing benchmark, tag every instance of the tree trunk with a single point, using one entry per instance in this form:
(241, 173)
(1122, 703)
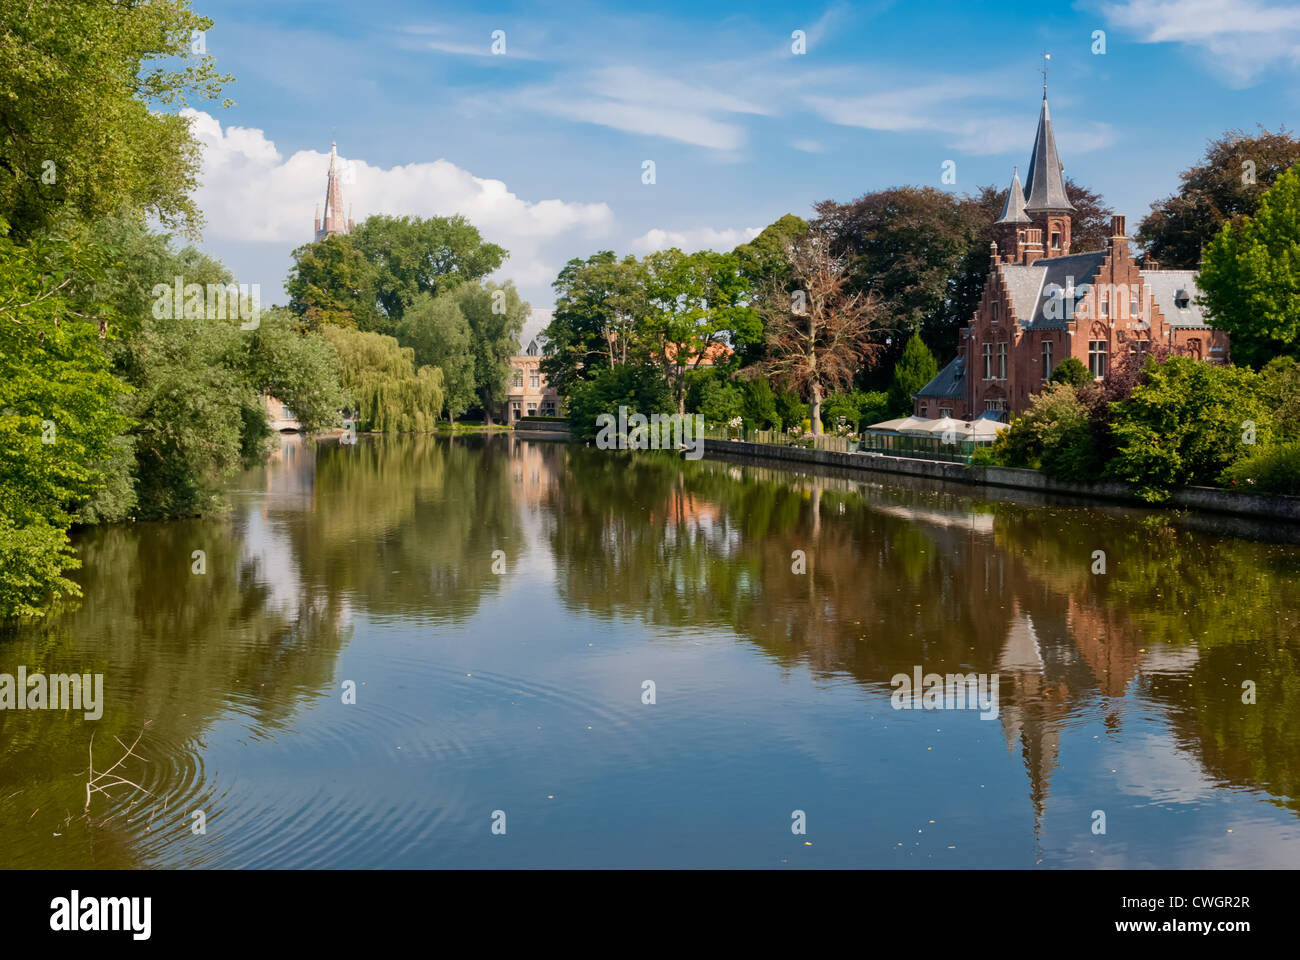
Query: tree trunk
(815, 409)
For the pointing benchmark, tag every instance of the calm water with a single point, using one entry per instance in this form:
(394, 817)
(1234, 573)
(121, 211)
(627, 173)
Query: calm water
(521, 691)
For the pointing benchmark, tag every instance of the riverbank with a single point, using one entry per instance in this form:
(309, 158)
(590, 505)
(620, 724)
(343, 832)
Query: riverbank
(1271, 506)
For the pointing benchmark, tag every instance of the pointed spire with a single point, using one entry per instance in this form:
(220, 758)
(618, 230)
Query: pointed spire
(1045, 183)
(1013, 211)
(333, 221)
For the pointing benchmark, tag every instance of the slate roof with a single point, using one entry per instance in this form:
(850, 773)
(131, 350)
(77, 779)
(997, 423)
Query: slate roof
(948, 382)
(1032, 286)
(1045, 184)
(1013, 210)
(1164, 286)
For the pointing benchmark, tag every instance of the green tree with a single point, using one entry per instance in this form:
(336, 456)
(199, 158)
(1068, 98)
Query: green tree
(383, 383)
(80, 128)
(1071, 371)
(496, 316)
(300, 368)
(58, 421)
(915, 368)
(436, 329)
(635, 385)
(332, 284)
(411, 256)
(1186, 423)
(1223, 187)
(1250, 281)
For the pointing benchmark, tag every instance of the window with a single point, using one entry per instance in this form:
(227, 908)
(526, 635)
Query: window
(514, 410)
(988, 361)
(517, 381)
(995, 311)
(286, 414)
(1002, 361)
(1135, 302)
(1139, 346)
(548, 408)
(945, 411)
(532, 409)
(925, 408)
(1103, 299)
(1097, 358)
(532, 378)
(532, 350)
(1047, 359)
(995, 404)
(1056, 240)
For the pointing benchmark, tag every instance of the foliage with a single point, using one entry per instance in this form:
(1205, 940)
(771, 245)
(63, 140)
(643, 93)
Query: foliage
(915, 368)
(1071, 371)
(858, 408)
(81, 83)
(436, 329)
(721, 401)
(1274, 469)
(383, 383)
(332, 284)
(1185, 424)
(301, 369)
(58, 419)
(1250, 281)
(758, 404)
(1217, 190)
(410, 256)
(496, 316)
(635, 385)
(1280, 384)
(600, 309)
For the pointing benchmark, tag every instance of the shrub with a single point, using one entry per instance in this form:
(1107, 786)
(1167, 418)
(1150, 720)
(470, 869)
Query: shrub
(1275, 469)
(1071, 371)
(1055, 434)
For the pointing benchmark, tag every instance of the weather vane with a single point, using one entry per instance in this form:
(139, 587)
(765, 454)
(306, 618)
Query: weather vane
(1046, 57)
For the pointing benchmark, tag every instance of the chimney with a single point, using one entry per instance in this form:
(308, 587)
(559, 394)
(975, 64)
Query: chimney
(1118, 239)
(1033, 246)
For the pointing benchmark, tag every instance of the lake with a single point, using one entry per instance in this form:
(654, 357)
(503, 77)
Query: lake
(491, 652)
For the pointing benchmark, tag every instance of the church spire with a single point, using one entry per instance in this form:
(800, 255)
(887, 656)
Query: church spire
(1013, 211)
(1045, 183)
(334, 220)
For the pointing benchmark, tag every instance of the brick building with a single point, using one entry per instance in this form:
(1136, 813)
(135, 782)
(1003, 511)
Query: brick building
(1043, 303)
(527, 392)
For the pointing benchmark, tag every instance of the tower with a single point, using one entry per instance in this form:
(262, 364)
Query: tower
(334, 221)
(1037, 217)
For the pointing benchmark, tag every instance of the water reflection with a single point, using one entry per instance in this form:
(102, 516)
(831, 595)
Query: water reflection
(499, 603)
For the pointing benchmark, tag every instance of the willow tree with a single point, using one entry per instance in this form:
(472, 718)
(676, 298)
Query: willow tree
(389, 392)
(820, 333)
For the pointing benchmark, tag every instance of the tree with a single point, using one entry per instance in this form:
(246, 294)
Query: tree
(818, 338)
(383, 383)
(698, 306)
(914, 370)
(302, 369)
(80, 130)
(600, 308)
(1186, 423)
(635, 385)
(1072, 371)
(1224, 186)
(58, 420)
(436, 329)
(1250, 282)
(332, 284)
(411, 256)
(761, 261)
(496, 317)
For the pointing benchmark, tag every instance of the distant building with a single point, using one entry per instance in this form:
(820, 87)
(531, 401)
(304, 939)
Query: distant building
(334, 221)
(1042, 303)
(279, 416)
(527, 393)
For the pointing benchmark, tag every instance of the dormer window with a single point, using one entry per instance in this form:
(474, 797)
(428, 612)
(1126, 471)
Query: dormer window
(1182, 298)
(532, 348)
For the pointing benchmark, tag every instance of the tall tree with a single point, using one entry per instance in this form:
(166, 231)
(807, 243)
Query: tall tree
(819, 337)
(914, 370)
(1226, 184)
(1250, 283)
(762, 260)
(332, 284)
(436, 329)
(496, 316)
(80, 129)
(411, 256)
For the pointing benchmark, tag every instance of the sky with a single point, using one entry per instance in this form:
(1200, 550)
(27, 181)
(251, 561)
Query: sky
(543, 145)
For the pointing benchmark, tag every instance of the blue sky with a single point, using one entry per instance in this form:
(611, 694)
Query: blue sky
(542, 147)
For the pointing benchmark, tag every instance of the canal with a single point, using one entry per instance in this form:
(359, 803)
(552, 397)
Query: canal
(419, 652)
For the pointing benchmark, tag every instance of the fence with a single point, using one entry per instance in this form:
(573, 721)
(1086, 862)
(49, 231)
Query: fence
(885, 444)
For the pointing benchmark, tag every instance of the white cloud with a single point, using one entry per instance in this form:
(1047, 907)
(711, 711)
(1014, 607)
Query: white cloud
(808, 146)
(1242, 37)
(251, 194)
(700, 238)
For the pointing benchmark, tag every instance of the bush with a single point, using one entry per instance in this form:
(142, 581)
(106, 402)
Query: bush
(1274, 469)
(857, 408)
(1185, 424)
(759, 408)
(720, 402)
(1055, 435)
(1071, 371)
(637, 386)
